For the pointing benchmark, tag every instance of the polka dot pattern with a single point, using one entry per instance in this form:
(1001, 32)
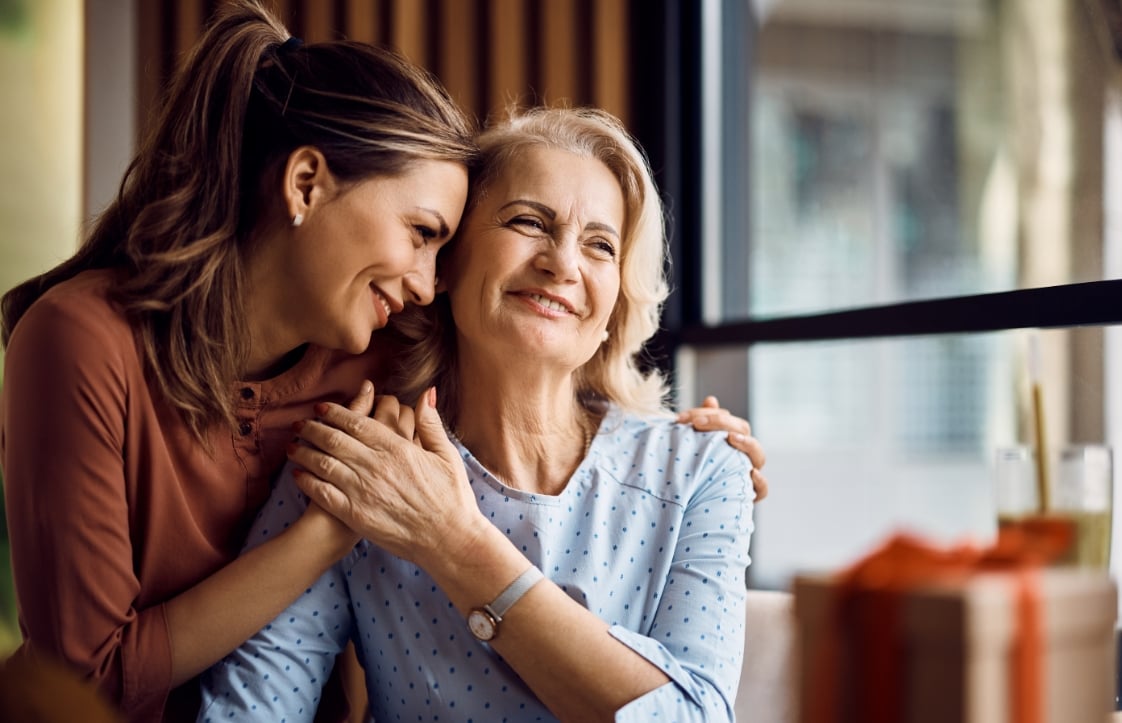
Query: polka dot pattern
(651, 534)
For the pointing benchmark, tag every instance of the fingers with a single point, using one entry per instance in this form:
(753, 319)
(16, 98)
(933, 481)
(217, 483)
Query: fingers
(711, 402)
(710, 419)
(364, 400)
(759, 484)
(750, 446)
(430, 428)
(390, 412)
(326, 495)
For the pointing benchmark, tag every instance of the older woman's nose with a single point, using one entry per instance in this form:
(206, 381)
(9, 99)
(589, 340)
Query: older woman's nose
(561, 259)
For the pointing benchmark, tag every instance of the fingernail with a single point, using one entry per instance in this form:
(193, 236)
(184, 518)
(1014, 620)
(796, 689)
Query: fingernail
(432, 397)
(736, 436)
(367, 387)
(298, 425)
(320, 409)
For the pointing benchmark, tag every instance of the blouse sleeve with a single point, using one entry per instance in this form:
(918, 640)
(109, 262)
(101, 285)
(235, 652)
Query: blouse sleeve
(697, 637)
(63, 422)
(280, 672)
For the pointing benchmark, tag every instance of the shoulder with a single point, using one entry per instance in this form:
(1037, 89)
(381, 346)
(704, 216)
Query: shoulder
(75, 311)
(73, 336)
(669, 459)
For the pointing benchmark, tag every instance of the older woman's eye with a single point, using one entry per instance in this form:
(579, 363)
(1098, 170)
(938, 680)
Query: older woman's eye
(604, 247)
(527, 223)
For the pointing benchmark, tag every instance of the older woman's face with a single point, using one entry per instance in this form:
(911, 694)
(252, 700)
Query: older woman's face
(536, 270)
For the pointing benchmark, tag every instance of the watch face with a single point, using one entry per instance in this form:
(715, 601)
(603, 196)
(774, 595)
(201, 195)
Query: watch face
(481, 624)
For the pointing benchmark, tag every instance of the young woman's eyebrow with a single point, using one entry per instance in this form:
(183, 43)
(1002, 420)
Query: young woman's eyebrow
(444, 230)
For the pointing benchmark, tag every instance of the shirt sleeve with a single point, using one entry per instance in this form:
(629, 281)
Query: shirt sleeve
(697, 637)
(63, 422)
(279, 674)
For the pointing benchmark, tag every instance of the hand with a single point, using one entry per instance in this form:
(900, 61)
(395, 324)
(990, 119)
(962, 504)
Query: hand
(394, 478)
(710, 417)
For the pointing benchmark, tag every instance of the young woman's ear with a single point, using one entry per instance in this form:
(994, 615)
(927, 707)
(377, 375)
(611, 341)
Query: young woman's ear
(308, 183)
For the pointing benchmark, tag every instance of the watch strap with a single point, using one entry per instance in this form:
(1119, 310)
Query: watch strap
(501, 605)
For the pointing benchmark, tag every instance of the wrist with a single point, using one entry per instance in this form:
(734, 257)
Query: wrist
(326, 532)
(474, 568)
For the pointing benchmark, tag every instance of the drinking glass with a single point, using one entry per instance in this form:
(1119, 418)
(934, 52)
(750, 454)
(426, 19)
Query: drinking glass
(1015, 491)
(1082, 493)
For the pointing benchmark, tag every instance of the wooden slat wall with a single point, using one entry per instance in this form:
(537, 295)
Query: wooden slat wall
(489, 53)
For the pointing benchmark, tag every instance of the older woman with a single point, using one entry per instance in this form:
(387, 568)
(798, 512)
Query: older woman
(572, 552)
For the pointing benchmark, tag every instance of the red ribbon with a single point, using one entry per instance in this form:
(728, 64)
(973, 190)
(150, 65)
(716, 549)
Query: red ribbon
(865, 609)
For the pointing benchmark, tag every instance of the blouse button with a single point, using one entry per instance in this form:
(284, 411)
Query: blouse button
(245, 428)
(247, 392)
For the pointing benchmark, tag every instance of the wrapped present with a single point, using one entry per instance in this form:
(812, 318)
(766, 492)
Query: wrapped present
(920, 634)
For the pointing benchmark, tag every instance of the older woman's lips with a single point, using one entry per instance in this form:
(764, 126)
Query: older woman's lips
(548, 303)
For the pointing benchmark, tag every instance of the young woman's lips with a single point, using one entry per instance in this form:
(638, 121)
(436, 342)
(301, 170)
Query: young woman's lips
(381, 305)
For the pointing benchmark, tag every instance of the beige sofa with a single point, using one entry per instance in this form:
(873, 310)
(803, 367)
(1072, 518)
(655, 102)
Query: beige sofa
(767, 683)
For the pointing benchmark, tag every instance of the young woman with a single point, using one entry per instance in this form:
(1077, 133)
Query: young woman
(288, 202)
(589, 563)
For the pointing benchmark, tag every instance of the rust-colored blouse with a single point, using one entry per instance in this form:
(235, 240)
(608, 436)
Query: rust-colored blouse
(113, 507)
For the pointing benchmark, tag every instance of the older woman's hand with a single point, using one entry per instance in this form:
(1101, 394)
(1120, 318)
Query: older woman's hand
(711, 417)
(393, 478)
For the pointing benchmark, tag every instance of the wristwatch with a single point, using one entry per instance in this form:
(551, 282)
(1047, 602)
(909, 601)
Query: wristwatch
(484, 622)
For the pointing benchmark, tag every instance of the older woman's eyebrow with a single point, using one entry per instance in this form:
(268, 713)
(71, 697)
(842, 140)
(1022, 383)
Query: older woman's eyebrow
(539, 207)
(551, 215)
(444, 230)
(594, 226)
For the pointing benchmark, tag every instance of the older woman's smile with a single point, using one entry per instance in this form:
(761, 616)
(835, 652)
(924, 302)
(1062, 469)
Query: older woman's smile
(549, 303)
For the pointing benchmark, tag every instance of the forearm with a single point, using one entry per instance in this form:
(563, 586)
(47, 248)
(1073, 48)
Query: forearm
(220, 613)
(560, 649)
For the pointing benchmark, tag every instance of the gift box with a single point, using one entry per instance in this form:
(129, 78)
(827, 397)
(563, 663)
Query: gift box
(911, 641)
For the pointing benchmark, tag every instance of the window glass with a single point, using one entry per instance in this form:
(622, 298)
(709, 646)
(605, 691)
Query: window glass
(868, 437)
(906, 150)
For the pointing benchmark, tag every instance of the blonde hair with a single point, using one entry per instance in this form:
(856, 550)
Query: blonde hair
(614, 373)
(183, 223)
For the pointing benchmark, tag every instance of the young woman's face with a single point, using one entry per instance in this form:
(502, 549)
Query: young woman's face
(535, 273)
(370, 250)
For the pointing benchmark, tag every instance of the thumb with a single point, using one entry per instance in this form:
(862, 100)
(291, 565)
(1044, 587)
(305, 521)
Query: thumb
(430, 428)
(363, 403)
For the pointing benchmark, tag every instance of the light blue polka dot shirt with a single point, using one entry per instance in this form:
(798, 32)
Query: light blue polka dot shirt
(651, 534)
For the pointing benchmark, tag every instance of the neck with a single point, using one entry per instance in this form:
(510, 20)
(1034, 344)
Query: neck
(273, 345)
(528, 428)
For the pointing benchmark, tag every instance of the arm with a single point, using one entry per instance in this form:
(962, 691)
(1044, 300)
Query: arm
(698, 631)
(418, 505)
(66, 391)
(279, 673)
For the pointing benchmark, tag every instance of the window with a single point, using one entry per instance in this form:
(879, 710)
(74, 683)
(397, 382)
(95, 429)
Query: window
(877, 203)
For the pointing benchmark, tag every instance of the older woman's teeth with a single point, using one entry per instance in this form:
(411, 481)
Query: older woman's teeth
(548, 303)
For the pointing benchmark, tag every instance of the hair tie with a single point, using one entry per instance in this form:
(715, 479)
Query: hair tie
(291, 44)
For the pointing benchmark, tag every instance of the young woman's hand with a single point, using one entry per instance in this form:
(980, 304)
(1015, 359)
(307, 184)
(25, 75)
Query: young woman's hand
(710, 417)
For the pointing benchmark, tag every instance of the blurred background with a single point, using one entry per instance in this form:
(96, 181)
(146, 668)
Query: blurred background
(933, 166)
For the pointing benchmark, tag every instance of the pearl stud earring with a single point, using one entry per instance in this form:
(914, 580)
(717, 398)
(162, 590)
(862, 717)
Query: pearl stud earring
(297, 220)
